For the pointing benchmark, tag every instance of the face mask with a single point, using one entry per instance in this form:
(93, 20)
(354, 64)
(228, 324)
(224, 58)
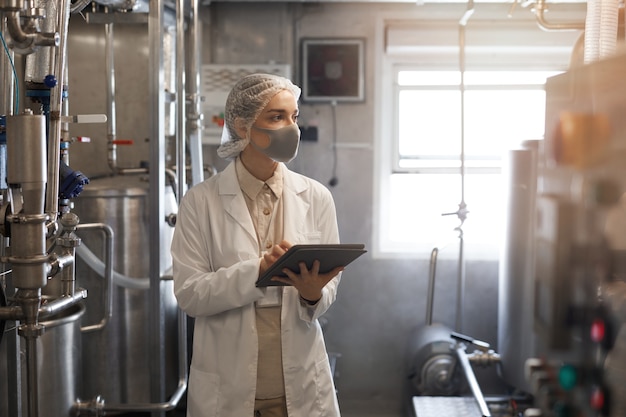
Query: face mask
(284, 142)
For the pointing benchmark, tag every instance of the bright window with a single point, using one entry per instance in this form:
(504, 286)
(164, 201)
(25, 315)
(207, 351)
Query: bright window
(439, 116)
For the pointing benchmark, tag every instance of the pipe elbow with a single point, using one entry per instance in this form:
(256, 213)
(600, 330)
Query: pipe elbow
(27, 41)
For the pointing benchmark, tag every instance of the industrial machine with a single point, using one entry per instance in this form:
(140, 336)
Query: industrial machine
(88, 321)
(562, 287)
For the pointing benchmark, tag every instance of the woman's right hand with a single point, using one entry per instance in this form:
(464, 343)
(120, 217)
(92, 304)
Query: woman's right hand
(272, 255)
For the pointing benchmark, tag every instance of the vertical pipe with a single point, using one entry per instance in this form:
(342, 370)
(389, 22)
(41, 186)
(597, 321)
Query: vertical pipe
(181, 102)
(462, 206)
(56, 98)
(156, 197)
(196, 117)
(432, 273)
(109, 58)
(6, 71)
(31, 376)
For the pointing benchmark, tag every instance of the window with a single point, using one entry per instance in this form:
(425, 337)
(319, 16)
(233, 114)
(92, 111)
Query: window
(447, 136)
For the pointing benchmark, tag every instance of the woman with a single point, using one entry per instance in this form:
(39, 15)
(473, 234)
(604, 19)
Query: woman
(256, 351)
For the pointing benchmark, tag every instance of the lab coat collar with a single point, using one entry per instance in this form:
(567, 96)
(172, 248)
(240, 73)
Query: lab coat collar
(294, 199)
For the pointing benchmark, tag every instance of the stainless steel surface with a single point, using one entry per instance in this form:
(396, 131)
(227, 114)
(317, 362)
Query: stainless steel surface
(37, 64)
(194, 112)
(56, 99)
(445, 407)
(432, 273)
(58, 354)
(122, 203)
(432, 362)
(516, 290)
(156, 244)
(470, 377)
(107, 286)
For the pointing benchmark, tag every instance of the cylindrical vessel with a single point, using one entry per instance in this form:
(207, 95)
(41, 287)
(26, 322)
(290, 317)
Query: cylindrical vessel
(516, 295)
(59, 371)
(116, 363)
(38, 63)
(26, 175)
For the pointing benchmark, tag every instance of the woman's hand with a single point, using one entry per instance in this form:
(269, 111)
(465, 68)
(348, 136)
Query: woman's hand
(309, 282)
(270, 257)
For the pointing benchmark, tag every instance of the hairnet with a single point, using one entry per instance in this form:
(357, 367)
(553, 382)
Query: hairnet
(245, 102)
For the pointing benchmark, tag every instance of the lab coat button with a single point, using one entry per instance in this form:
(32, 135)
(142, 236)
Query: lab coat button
(266, 211)
(268, 245)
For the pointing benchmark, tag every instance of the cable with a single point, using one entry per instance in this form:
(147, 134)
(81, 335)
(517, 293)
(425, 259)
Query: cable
(333, 179)
(17, 88)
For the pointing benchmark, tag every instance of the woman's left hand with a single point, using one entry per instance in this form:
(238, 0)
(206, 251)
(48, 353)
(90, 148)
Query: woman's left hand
(309, 282)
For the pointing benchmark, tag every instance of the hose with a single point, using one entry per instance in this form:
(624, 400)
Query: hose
(119, 279)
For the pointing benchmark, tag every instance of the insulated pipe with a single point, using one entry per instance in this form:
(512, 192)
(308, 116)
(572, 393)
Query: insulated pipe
(6, 71)
(28, 40)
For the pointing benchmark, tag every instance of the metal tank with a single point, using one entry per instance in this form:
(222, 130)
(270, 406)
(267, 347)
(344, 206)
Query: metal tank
(59, 373)
(116, 359)
(516, 337)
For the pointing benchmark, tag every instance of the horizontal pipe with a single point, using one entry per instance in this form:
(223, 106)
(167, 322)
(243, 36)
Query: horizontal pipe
(51, 308)
(96, 407)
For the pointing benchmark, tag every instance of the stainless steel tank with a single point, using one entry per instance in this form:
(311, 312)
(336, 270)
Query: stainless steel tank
(516, 337)
(116, 359)
(59, 372)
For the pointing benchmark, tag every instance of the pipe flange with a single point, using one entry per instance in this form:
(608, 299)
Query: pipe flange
(27, 218)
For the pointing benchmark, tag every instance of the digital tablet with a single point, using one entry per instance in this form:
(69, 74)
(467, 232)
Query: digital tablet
(329, 255)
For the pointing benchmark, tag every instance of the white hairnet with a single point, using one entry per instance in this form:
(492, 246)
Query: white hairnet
(245, 102)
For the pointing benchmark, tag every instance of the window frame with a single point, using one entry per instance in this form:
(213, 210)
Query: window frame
(387, 129)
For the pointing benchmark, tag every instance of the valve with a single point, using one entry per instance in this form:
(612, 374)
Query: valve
(71, 182)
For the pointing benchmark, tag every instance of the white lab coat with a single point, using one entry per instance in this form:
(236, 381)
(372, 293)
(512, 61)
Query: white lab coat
(216, 263)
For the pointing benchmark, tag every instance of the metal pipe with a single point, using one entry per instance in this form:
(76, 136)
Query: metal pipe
(195, 115)
(462, 211)
(32, 377)
(156, 197)
(107, 294)
(6, 69)
(460, 298)
(56, 98)
(174, 179)
(540, 8)
(62, 303)
(471, 380)
(98, 405)
(109, 58)
(431, 286)
(28, 39)
(53, 307)
(30, 330)
(181, 102)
